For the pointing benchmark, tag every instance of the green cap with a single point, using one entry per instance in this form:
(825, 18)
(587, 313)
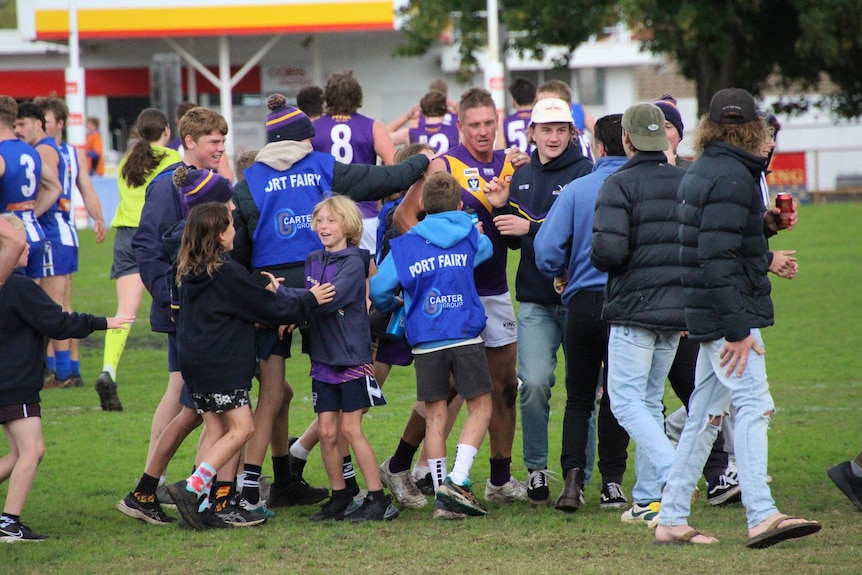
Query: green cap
(645, 124)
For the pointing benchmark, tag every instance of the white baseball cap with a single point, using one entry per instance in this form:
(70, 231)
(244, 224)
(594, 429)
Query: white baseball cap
(551, 110)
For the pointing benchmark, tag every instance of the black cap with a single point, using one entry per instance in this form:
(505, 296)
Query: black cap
(732, 106)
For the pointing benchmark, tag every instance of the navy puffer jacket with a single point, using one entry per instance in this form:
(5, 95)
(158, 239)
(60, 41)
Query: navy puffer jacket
(724, 249)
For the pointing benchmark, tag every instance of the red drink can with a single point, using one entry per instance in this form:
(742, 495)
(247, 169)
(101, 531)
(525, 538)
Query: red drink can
(784, 202)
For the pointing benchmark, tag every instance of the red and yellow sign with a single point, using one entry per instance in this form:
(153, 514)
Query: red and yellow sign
(130, 18)
(787, 169)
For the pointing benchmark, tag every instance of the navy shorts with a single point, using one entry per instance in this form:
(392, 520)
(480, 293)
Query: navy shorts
(393, 352)
(349, 396)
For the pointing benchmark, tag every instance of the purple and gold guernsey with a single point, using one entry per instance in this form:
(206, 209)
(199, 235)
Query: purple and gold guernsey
(19, 184)
(441, 137)
(515, 129)
(473, 176)
(350, 140)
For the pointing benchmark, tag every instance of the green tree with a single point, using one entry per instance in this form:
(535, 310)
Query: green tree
(716, 43)
(8, 15)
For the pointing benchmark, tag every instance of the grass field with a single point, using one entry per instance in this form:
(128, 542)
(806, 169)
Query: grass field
(93, 458)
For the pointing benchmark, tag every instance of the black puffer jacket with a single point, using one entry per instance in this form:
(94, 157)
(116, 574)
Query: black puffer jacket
(636, 240)
(724, 248)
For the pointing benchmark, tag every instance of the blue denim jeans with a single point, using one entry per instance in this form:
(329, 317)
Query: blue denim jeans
(713, 393)
(541, 330)
(638, 363)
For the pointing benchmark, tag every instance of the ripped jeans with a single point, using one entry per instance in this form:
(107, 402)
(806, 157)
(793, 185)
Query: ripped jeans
(712, 396)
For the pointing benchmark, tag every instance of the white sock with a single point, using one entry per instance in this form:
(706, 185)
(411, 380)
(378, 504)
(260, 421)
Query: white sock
(438, 471)
(464, 456)
(240, 480)
(855, 468)
(420, 471)
(163, 479)
(298, 451)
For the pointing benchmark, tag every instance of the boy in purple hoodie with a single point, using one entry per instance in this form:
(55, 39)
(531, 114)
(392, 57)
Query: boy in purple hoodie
(342, 373)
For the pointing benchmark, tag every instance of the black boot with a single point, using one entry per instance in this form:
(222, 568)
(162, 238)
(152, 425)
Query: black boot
(573, 492)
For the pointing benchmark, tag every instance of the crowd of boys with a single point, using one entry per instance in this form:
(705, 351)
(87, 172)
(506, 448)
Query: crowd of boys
(622, 251)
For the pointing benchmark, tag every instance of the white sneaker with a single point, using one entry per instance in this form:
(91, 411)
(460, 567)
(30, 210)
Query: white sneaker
(402, 487)
(644, 514)
(511, 491)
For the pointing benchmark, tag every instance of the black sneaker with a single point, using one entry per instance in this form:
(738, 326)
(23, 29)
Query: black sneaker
(17, 531)
(377, 509)
(187, 504)
(235, 516)
(211, 520)
(151, 513)
(298, 492)
(333, 509)
(537, 487)
(850, 485)
(723, 490)
(612, 496)
(425, 484)
(107, 390)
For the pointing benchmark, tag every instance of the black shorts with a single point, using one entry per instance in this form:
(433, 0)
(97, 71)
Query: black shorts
(466, 363)
(221, 401)
(19, 411)
(349, 396)
(125, 262)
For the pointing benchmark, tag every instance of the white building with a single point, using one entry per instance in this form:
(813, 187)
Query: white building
(229, 47)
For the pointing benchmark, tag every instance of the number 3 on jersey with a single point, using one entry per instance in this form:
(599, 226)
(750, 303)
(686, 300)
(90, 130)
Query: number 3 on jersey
(29, 166)
(341, 148)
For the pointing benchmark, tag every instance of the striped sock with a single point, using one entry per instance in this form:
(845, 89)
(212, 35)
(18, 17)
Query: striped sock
(438, 470)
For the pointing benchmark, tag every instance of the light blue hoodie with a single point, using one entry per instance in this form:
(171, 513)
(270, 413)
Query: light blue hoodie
(444, 230)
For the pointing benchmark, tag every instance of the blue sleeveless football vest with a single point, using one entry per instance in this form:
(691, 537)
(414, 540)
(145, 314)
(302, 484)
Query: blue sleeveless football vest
(285, 201)
(444, 303)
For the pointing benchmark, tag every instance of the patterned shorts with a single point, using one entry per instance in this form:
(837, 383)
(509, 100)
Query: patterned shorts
(221, 401)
